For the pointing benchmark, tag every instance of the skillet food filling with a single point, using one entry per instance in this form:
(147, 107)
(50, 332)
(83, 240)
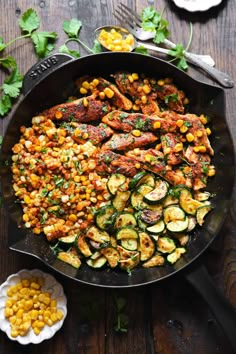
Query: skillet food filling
(118, 176)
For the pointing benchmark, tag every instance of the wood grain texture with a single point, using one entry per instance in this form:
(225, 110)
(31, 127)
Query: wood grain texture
(167, 317)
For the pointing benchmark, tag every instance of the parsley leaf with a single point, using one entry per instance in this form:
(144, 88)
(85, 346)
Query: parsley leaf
(5, 104)
(141, 50)
(66, 50)
(13, 84)
(72, 27)
(96, 47)
(2, 44)
(29, 21)
(8, 62)
(153, 21)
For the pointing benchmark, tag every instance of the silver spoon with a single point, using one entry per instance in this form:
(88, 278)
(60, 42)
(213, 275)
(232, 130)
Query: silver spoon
(221, 77)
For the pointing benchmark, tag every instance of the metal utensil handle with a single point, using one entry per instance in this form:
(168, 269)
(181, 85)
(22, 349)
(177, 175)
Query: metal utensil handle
(221, 308)
(221, 77)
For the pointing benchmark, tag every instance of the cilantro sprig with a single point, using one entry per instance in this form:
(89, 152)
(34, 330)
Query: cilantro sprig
(153, 21)
(43, 44)
(122, 321)
(72, 28)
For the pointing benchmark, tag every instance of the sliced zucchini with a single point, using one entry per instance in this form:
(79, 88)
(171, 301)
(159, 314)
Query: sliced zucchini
(202, 212)
(157, 194)
(69, 258)
(68, 239)
(144, 189)
(141, 224)
(142, 178)
(82, 246)
(187, 203)
(136, 200)
(98, 262)
(98, 235)
(112, 256)
(174, 256)
(128, 259)
(120, 200)
(104, 217)
(170, 200)
(172, 213)
(129, 244)
(95, 255)
(115, 182)
(177, 225)
(146, 246)
(126, 233)
(202, 196)
(113, 241)
(125, 219)
(165, 245)
(156, 260)
(156, 228)
(150, 216)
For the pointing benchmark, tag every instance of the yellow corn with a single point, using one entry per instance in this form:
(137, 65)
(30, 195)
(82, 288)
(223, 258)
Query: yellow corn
(136, 132)
(135, 76)
(167, 150)
(183, 129)
(178, 147)
(58, 115)
(161, 82)
(83, 91)
(196, 149)
(108, 92)
(144, 99)
(203, 119)
(156, 125)
(85, 102)
(147, 89)
(208, 131)
(190, 137)
(199, 133)
(137, 165)
(202, 148)
(179, 122)
(135, 107)
(85, 85)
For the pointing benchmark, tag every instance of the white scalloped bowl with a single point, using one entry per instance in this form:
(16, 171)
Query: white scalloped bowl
(51, 285)
(196, 5)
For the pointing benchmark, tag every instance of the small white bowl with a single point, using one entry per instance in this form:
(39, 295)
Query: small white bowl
(51, 285)
(196, 5)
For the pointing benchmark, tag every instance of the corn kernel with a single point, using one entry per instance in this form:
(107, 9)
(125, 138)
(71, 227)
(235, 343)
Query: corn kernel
(85, 102)
(208, 131)
(72, 217)
(135, 107)
(83, 91)
(130, 78)
(144, 99)
(147, 89)
(148, 157)
(190, 137)
(203, 119)
(135, 76)
(211, 171)
(179, 122)
(156, 125)
(167, 150)
(108, 92)
(58, 115)
(136, 132)
(95, 82)
(36, 331)
(183, 129)
(85, 85)
(137, 165)
(158, 147)
(178, 147)
(161, 82)
(202, 148)
(196, 149)
(199, 133)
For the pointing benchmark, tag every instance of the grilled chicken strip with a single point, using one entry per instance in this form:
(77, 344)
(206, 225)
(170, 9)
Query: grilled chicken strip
(110, 162)
(78, 111)
(171, 97)
(126, 122)
(82, 132)
(124, 142)
(169, 142)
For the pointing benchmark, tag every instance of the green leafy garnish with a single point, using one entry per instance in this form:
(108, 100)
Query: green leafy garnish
(29, 21)
(72, 27)
(43, 42)
(121, 324)
(141, 50)
(154, 22)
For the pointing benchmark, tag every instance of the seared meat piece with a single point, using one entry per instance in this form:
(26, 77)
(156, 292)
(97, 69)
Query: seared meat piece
(83, 132)
(171, 96)
(123, 142)
(110, 162)
(169, 143)
(76, 110)
(176, 177)
(151, 107)
(128, 121)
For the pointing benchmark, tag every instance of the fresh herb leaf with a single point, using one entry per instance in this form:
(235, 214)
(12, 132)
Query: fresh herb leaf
(97, 48)
(29, 21)
(43, 42)
(13, 84)
(121, 323)
(2, 44)
(5, 104)
(141, 50)
(8, 62)
(66, 50)
(153, 21)
(173, 97)
(72, 27)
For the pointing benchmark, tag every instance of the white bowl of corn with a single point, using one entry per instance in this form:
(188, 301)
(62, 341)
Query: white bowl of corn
(32, 306)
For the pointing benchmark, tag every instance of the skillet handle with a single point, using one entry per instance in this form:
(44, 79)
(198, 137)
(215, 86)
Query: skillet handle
(42, 69)
(225, 314)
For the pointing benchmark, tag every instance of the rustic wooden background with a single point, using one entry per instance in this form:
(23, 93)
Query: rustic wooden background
(167, 317)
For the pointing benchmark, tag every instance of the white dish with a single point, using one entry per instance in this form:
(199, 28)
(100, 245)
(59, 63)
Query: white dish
(196, 5)
(52, 286)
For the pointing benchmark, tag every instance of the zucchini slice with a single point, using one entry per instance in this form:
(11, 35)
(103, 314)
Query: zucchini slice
(128, 259)
(172, 213)
(130, 244)
(120, 200)
(82, 246)
(69, 258)
(142, 178)
(187, 203)
(136, 200)
(112, 256)
(156, 260)
(126, 233)
(144, 189)
(202, 212)
(125, 219)
(170, 200)
(156, 228)
(202, 196)
(157, 194)
(104, 217)
(165, 245)
(192, 222)
(98, 262)
(97, 235)
(146, 246)
(150, 216)
(115, 182)
(177, 225)
(174, 256)
(68, 239)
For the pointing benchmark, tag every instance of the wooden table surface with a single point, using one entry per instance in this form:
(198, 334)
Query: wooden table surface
(168, 317)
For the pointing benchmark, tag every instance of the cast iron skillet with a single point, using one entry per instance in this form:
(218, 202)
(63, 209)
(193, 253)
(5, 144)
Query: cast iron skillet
(50, 82)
